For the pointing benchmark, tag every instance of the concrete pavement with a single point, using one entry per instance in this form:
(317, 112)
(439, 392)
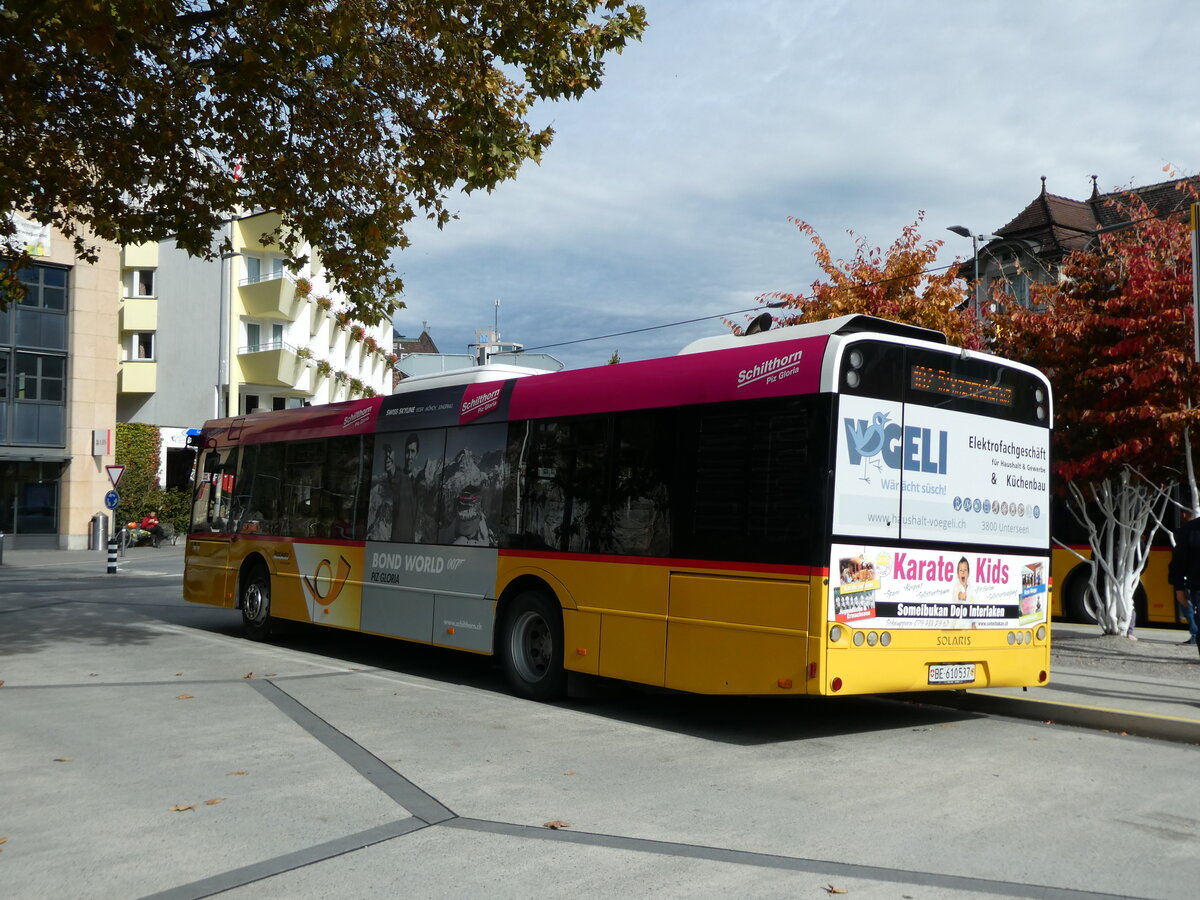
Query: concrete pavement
(1149, 687)
(145, 747)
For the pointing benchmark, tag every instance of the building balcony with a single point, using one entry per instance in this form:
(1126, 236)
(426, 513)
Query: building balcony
(137, 376)
(248, 232)
(273, 296)
(139, 315)
(272, 364)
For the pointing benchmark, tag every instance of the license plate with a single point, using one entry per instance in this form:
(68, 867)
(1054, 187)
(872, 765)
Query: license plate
(952, 673)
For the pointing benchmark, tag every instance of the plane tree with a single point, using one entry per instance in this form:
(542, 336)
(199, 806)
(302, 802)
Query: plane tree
(138, 120)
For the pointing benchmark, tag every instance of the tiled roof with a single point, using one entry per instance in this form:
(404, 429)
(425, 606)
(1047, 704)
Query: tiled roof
(1061, 224)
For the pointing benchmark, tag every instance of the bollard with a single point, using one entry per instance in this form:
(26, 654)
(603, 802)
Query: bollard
(112, 556)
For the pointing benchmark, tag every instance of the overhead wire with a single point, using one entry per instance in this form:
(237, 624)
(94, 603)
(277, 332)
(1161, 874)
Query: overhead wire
(930, 271)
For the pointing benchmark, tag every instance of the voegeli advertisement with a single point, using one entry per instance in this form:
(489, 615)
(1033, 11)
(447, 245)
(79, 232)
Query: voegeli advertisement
(884, 586)
(911, 472)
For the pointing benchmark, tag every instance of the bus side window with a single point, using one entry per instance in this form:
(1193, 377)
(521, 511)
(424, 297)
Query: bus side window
(641, 523)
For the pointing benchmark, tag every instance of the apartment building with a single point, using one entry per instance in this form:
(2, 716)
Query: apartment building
(201, 338)
(58, 387)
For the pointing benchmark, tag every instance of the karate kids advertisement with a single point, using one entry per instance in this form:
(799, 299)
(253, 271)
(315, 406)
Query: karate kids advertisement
(889, 587)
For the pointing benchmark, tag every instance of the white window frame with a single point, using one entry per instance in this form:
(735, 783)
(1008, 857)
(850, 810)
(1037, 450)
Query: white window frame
(133, 283)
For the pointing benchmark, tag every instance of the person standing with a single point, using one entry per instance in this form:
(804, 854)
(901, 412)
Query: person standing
(1184, 571)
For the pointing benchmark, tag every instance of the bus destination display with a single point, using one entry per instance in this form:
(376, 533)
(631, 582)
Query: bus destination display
(939, 381)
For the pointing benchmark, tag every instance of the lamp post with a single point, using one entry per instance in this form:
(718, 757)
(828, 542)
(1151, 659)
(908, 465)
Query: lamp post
(963, 231)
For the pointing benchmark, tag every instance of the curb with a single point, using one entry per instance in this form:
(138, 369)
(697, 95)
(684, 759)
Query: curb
(1148, 725)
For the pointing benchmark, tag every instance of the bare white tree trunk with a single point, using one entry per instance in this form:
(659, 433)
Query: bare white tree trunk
(1129, 511)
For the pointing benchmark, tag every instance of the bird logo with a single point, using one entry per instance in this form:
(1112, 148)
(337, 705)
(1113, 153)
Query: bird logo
(867, 442)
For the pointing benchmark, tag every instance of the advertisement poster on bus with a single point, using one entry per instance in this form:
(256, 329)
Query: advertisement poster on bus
(892, 587)
(910, 472)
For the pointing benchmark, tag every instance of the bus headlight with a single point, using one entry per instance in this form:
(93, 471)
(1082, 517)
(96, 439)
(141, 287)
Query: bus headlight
(885, 639)
(872, 639)
(859, 638)
(1041, 632)
(1012, 639)
(835, 634)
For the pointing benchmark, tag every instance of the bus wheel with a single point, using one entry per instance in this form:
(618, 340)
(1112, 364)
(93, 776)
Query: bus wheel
(531, 649)
(256, 603)
(1080, 605)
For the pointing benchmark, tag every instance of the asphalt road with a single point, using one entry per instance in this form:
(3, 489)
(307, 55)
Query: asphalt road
(147, 750)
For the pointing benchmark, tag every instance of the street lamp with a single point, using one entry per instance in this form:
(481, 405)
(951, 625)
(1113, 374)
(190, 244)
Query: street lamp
(963, 231)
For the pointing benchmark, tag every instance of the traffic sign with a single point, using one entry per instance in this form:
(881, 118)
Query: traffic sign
(112, 499)
(114, 474)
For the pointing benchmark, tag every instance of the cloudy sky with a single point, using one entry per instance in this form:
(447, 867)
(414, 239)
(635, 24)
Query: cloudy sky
(666, 194)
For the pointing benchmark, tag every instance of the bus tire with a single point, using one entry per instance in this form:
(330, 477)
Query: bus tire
(531, 647)
(1079, 604)
(255, 602)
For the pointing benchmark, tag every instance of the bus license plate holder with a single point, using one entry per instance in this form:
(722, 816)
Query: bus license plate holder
(951, 673)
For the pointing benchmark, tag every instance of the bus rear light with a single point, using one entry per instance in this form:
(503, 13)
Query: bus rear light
(1043, 676)
(581, 651)
(785, 683)
(812, 670)
(836, 685)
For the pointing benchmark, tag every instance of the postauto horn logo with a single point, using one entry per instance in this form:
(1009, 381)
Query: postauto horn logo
(325, 585)
(910, 447)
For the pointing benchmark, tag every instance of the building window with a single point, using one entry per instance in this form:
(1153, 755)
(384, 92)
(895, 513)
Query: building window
(260, 269)
(3, 376)
(279, 403)
(251, 401)
(256, 340)
(40, 377)
(1016, 286)
(139, 283)
(140, 346)
(45, 288)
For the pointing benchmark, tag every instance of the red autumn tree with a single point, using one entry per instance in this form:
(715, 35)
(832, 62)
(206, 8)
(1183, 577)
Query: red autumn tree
(900, 283)
(1114, 334)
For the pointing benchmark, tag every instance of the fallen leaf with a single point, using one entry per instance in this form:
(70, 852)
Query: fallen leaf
(214, 801)
(63, 759)
(235, 773)
(93, 674)
(3, 840)
(269, 675)
(556, 824)
(568, 773)
(248, 675)
(184, 697)
(183, 807)
(830, 889)
(1, 684)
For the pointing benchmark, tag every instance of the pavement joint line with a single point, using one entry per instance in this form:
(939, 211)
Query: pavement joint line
(412, 798)
(234, 878)
(789, 863)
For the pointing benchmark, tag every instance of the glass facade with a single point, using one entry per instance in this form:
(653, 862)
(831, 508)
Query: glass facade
(33, 402)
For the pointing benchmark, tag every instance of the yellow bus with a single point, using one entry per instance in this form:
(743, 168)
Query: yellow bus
(1153, 599)
(846, 507)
